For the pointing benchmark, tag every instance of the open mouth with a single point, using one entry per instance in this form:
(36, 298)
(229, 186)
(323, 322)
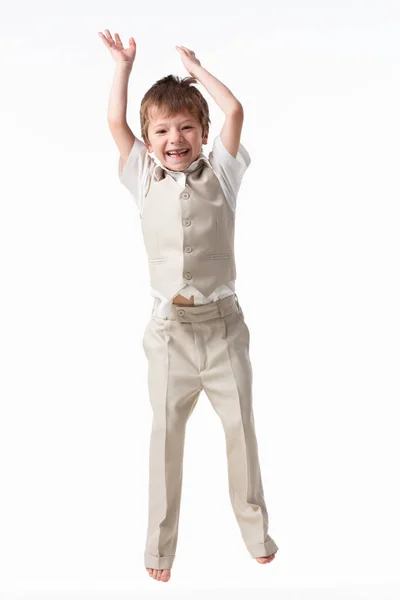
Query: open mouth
(178, 155)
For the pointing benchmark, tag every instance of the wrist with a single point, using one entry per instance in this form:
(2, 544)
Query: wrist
(197, 71)
(124, 64)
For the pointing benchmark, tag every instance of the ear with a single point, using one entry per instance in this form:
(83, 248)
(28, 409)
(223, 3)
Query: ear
(149, 147)
(205, 137)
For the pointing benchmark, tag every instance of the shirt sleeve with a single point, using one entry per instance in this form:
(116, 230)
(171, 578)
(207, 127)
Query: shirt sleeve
(134, 174)
(229, 169)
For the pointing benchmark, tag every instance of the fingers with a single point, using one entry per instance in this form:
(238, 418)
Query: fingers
(190, 51)
(109, 37)
(108, 40)
(104, 39)
(118, 44)
(185, 49)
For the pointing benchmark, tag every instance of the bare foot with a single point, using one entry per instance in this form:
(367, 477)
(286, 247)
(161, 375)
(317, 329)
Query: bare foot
(159, 574)
(265, 559)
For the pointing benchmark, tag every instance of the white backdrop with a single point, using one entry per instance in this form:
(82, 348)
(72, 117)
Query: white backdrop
(317, 251)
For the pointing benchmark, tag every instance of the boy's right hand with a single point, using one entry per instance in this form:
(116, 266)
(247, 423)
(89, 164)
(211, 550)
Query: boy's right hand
(118, 52)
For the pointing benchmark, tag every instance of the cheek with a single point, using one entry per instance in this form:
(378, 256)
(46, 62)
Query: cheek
(195, 138)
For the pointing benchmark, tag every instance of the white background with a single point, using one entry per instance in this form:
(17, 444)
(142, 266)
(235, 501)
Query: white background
(317, 251)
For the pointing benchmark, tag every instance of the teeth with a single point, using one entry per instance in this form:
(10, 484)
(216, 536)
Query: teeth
(177, 153)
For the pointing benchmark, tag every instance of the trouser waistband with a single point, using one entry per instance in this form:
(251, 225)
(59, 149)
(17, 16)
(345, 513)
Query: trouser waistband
(201, 312)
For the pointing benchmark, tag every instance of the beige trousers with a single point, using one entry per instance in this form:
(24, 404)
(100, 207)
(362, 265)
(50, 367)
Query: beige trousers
(195, 348)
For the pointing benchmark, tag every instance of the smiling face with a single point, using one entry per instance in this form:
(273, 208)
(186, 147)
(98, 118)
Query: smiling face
(180, 132)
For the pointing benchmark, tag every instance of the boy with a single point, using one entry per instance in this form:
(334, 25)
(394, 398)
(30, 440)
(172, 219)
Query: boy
(196, 337)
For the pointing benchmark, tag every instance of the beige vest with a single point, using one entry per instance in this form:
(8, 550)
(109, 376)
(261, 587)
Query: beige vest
(188, 233)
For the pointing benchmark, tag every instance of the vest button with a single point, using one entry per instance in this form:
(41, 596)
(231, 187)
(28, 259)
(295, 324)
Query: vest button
(188, 248)
(188, 275)
(186, 222)
(185, 195)
(181, 312)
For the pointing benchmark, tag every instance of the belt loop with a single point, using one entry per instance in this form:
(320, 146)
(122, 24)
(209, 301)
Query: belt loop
(224, 329)
(239, 308)
(166, 327)
(220, 308)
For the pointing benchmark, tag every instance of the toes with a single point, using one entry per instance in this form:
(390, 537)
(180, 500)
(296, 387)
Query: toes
(265, 559)
(159, 574)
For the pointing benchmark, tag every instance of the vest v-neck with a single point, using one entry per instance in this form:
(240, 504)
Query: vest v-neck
(175, 181)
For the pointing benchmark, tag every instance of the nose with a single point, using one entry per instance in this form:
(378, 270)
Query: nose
(176, 136)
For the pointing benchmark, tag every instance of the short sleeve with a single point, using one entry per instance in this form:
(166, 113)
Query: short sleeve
(229, 169)
(134, 174)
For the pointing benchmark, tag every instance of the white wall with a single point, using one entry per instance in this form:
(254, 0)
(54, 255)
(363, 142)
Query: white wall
(317, 250)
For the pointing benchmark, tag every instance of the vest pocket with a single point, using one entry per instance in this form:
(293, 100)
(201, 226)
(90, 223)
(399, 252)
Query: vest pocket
(153, 248)
(218, 256)
(156, 260)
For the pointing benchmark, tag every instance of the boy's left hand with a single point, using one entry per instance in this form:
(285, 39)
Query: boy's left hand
(189, 59)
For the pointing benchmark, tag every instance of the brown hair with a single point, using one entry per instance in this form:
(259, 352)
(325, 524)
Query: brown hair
(171, 95)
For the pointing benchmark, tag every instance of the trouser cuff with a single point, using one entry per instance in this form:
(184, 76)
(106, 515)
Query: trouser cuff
(257, 550)
(158, 562)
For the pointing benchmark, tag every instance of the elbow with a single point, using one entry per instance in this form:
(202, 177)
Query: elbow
(238, 106)
(236, 109)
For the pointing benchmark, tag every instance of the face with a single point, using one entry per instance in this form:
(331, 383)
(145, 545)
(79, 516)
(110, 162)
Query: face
(169, 134)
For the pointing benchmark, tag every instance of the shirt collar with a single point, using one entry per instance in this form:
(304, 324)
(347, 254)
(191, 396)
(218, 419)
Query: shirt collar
(159, 168)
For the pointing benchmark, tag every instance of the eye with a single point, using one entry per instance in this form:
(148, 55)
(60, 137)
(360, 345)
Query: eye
(185, 127)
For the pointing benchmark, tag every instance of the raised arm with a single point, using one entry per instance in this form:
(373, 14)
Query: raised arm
(232, 127)
(117, 105)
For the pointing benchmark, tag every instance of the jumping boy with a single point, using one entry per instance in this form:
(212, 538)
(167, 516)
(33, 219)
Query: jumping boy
(196, 338)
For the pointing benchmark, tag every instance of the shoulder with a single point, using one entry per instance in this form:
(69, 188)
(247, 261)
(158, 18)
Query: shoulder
(229, 169)
(135, 172)
(219, 156)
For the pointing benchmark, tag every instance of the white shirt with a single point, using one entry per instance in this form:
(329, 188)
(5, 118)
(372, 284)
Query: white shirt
(135, 176)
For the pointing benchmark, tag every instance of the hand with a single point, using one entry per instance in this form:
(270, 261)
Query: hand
(118, 52)
(189, 59)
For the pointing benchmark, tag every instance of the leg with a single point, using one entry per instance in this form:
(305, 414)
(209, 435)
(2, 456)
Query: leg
(227, 382)
(174, 387)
